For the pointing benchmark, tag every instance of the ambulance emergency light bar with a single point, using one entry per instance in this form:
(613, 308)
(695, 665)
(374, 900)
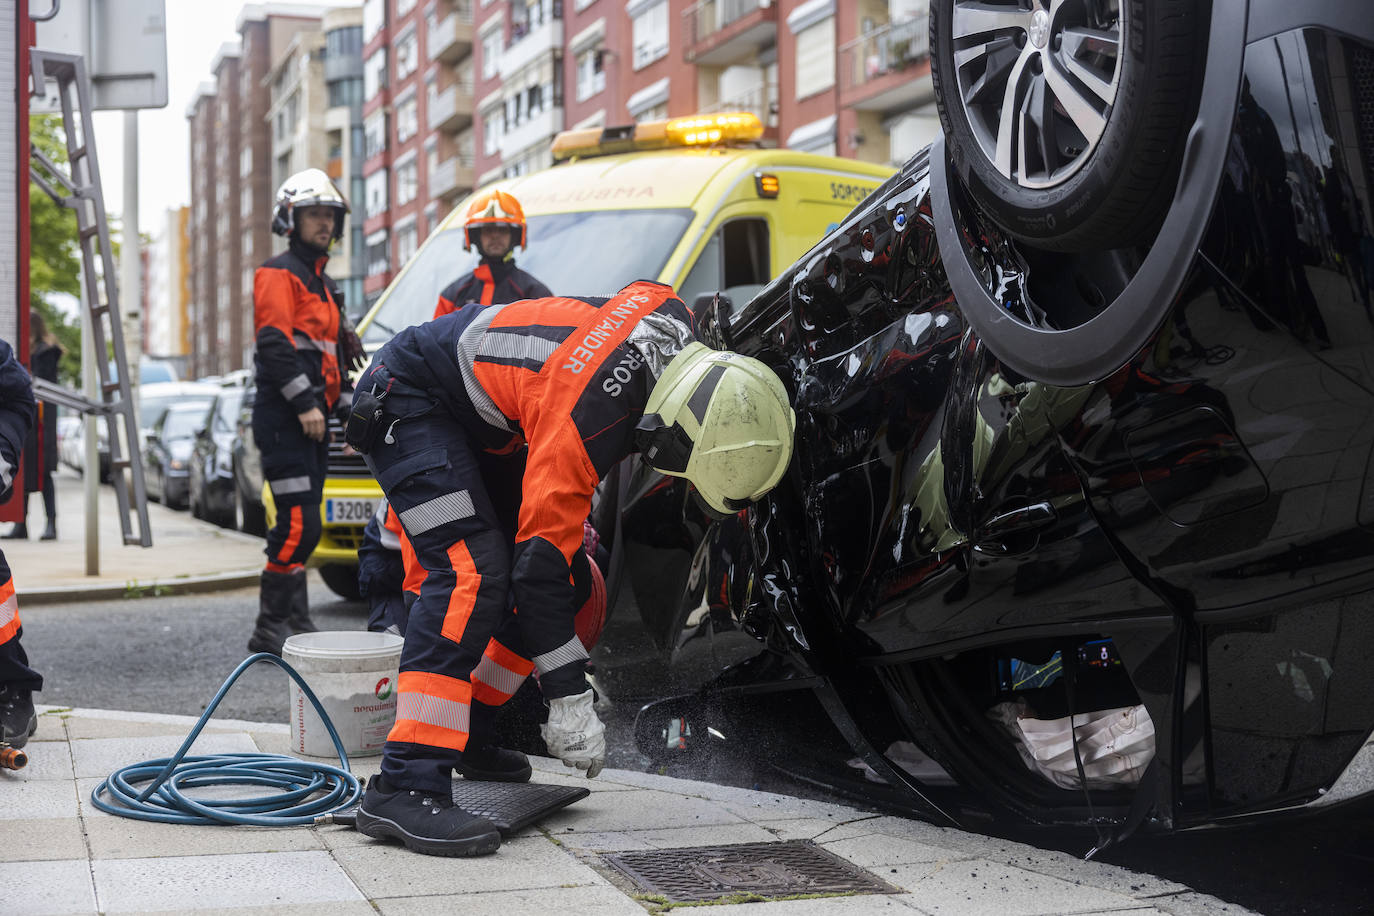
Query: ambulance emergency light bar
(697, 130)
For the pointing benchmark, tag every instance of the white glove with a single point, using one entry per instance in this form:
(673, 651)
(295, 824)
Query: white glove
(574, 734)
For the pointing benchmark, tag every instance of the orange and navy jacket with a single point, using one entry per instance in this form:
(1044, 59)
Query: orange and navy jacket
(296, 314)
(17, 412)
(492, 282)
(569, 377)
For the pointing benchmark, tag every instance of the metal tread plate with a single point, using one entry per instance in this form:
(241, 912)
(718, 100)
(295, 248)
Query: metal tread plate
(770, 871)
(512, 806)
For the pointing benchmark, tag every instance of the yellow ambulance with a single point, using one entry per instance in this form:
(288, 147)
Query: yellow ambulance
(691, 202)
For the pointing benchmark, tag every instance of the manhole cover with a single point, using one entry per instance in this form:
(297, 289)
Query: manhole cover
(769, 870)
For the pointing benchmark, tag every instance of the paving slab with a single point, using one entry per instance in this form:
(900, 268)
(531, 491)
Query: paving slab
(582, 900)
(113, 837)
(388, 870)
(41, 839)
(102, 756)
(44, 888)
(975, 886)
(185, 883)
(36, 799)
(637, 809)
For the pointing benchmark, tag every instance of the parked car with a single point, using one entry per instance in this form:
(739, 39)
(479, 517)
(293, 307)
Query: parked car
(70, 441)
(247, 468)
(213, 494)
(157, 396)
(167, 451)
(1081, 507)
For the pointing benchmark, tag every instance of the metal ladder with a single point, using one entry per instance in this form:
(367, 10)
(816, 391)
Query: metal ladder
(81, 191)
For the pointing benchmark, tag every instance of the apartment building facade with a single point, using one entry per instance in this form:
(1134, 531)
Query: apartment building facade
(231, 185)
(344, 146)
(459, 93)
(166, 288)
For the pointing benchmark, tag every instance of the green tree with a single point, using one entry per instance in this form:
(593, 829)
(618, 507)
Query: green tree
(54, 256)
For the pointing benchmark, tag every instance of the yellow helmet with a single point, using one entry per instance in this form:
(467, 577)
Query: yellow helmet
(722, 421)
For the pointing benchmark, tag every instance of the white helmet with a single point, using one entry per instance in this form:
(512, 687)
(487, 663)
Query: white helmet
(722, 421)
(310, 188)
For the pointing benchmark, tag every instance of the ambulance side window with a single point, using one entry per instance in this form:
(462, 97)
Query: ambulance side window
(735, 261)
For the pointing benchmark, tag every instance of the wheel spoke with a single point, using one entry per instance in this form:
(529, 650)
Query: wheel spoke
(980, 18)
(994, 60)
(1006, 128)
(1085, 116)
(1078, 43)
(1036, 119)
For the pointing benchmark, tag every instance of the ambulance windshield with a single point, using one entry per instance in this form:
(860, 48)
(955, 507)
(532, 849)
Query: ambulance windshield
(574, 254)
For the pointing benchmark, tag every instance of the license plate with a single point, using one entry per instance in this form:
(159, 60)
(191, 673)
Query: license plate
(349, 511)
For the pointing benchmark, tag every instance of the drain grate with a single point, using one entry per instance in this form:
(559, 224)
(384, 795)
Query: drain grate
(769, 870)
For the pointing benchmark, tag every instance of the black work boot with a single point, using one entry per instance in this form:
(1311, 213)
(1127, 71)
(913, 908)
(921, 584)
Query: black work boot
(427, 822)
(298, 607)
(17, 718)
(50, 532)
(483, 759)
(20, 532)
(270, 629)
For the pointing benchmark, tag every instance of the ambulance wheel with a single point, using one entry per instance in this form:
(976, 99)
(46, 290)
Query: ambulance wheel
(342, 580)
(1066, 122)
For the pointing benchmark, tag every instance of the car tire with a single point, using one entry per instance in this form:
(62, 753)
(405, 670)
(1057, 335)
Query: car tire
(1104, 130)
(342, 580)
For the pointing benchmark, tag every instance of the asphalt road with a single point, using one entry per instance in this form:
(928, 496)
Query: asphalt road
(171, 654)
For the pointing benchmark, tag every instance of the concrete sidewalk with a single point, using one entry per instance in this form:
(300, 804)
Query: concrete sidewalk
(187, 554)
(61, 855)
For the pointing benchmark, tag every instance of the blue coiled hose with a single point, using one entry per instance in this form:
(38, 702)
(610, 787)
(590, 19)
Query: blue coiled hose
(298, 781)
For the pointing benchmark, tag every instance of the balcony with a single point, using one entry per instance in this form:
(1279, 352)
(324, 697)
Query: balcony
(725, 32)
(450, 110)
(451, 178)
(887, 69)
(761, 99)
(536, 39)
(451, 38)
(536, 128)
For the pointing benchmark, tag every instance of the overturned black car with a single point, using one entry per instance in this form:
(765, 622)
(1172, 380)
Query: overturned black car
(1085, 404)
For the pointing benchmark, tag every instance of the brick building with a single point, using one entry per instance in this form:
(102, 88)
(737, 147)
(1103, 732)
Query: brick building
(458, 93)
(231, 189)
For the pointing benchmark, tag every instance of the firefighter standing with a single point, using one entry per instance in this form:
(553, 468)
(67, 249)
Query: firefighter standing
(584, 383)
(299, 329)
(17, 680)
(495, 224)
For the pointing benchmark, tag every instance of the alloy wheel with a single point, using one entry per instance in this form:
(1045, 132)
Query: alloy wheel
(1038, 79)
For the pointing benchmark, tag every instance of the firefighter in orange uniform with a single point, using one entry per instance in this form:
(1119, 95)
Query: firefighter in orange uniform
(300, 327)
(581, 384)
(17, 680)
(495, 223)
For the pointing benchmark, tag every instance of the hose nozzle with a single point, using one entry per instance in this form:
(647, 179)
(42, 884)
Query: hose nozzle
(12, 758)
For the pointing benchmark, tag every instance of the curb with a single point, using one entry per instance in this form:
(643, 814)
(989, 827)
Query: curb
(153, 588)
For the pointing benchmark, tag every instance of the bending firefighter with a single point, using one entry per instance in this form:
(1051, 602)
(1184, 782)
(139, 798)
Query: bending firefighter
(17, 680)
(442, 414)
(495, 224)
(300, 328)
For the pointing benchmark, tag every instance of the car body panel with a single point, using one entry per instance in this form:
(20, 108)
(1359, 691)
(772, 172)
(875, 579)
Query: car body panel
(1204, 507)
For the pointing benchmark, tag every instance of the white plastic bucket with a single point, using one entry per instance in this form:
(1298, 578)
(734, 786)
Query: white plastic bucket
(354, 675)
